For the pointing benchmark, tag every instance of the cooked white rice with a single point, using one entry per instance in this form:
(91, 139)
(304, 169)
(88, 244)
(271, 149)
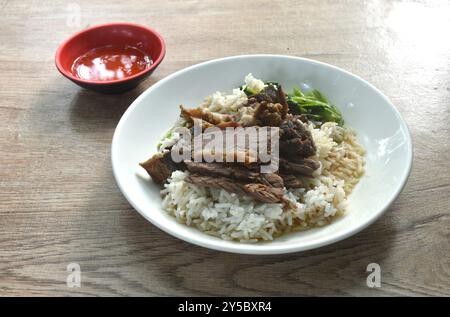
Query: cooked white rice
(231, 217)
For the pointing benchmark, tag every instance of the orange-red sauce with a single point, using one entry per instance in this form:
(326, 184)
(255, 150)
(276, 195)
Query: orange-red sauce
(111, 63)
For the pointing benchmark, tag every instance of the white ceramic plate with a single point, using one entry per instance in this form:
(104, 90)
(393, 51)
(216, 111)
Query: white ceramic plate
(379, 126)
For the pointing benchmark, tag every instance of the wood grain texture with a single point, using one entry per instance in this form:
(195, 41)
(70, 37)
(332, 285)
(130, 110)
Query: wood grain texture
(59, 202)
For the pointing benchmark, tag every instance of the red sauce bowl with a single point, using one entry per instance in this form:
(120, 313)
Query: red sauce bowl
(115, 34)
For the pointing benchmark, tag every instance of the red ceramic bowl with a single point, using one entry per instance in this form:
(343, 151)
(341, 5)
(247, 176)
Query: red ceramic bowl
(121, 34)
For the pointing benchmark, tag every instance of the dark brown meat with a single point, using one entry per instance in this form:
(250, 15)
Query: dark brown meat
(213, 169)
(160, 166)
(282, 100)
(264, 193)
(270, 106)
(291, 181)
(261, 192)
(269, 114)
(272, 179)
(216, 182)
(235, 171)
(268, 94)
(295, 139)
(250, 102)
(300, 167)
(303, 118)
(297, 147)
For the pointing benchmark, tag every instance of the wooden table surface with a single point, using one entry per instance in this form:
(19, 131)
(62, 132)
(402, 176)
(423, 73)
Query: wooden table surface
(59, 203)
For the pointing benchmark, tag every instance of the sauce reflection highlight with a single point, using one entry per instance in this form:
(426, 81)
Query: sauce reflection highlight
(111, 63)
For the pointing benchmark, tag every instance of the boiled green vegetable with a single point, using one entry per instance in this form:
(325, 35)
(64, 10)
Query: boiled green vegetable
(248, 91)
(314, 106)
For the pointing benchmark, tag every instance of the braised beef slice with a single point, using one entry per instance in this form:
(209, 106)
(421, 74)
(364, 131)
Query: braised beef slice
(291, 181)
(235, 171)
(303, 118)
(272, 179)
(268, 94)
(264, 193)
(268, 114)
(261, 192)
(282, 100)
(160, 166)
(270, 106)
(300, 167)
(295, 139)
(216, 182)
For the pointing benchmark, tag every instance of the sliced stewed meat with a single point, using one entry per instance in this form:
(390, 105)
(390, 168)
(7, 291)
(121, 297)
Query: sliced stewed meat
(268, 114)
(160, 166)
(282, 100)
(295, 139)
(292, 181)
(264, 193)
(235, 171)
(304, 167)
(268, 94)
(216, 182)
(269, 107)
(272, 179)
(261, 192)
